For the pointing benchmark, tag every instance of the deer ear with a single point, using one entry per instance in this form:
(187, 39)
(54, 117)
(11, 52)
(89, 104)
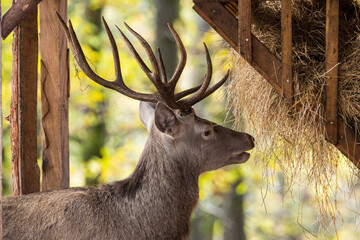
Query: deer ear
(165, 119)
(147, 111)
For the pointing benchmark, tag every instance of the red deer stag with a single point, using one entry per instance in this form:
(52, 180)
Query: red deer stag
(157, 199)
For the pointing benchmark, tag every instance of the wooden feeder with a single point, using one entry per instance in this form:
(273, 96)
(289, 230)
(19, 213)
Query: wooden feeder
(232, 20)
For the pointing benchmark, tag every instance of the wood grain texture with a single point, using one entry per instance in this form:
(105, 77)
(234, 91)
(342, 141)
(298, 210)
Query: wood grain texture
(286, 51)
(332, 52)
(13, 117)
(26, 173)
(244, 29)
(28, 77)
(1, 135)
(224, 23)
(16, 14)
(268, 65)
(54, 96)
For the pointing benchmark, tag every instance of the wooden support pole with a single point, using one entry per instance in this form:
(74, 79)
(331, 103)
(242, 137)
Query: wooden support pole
(244, 29)
(16, 14)
(286, 55)
(332, 45)
(1, 126)
(26, 173)
(54, 95)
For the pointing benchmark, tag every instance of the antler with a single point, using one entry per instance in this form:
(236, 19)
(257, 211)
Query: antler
(165, 88)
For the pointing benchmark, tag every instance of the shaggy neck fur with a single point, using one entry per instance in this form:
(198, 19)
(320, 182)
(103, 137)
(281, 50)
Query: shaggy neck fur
(165, 188)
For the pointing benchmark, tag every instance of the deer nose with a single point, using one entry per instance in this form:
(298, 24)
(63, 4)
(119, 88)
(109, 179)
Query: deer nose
(252, 139)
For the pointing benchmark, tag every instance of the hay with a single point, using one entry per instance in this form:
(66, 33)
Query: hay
(284, 135)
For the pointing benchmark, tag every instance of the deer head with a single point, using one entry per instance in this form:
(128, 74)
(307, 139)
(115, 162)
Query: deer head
(169, 116)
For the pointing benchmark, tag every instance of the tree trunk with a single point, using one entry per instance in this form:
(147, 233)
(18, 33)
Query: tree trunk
(167, 11)
(234, 215)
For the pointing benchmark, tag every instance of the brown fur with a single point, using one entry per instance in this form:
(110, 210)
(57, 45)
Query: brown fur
(155, 202)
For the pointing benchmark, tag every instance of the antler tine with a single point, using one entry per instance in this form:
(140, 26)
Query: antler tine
(143, 66)
(155, 75)
(115, 52)
(208, 91)
(214, 87)
(197, 95)
(117, 85)
(180, 67)
(158, 77)
(162, 67)
(186, 92)
(78, 53)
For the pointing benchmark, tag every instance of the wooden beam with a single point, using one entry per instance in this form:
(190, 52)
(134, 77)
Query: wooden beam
(263, 60)
(16, 14)
(1, 134)
(26, 173)
(267, 64)
(54, 96)
(13, 118)
(244, 29)
(332, 50)
(286, 55)
(27, 64)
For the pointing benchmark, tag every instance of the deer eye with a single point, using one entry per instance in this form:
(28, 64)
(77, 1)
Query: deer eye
(207, 133)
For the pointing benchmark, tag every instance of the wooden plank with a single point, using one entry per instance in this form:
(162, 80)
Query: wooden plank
(263, 60)
(27, 106)
(54, 96)
(224, 23)
(286, 55)
(26, 173)
(13, 118)
(16, 14)
(1, 134)
(332, 45)
(348, 143)
(244, 29)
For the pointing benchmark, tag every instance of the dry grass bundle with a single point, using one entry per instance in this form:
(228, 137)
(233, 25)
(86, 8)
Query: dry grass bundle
(284, 135)
(309, 20)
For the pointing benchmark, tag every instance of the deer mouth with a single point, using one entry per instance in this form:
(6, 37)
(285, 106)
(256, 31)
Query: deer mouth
(239, 158)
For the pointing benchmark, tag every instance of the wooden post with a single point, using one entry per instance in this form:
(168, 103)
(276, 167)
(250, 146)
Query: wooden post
(12, 18)
(1, 125)
(332, 36)
(244, 29)
(26, 173)
(54, 95)
(286, 55)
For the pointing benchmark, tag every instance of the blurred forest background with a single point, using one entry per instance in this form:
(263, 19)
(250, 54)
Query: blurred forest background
(106, 136)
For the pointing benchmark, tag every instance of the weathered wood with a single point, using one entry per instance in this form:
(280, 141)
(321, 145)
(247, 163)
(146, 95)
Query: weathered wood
(267, 64)
(1, 125)
(14, 130)
(332, 42)
(54, 96)
(16, 14)
(286, 52)
(25, 170)
(263, 60)
(244, 29)
(348, 143)
(27, 75)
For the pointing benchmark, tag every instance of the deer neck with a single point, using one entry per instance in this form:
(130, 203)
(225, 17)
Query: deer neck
(168, 170)
(165, 180)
